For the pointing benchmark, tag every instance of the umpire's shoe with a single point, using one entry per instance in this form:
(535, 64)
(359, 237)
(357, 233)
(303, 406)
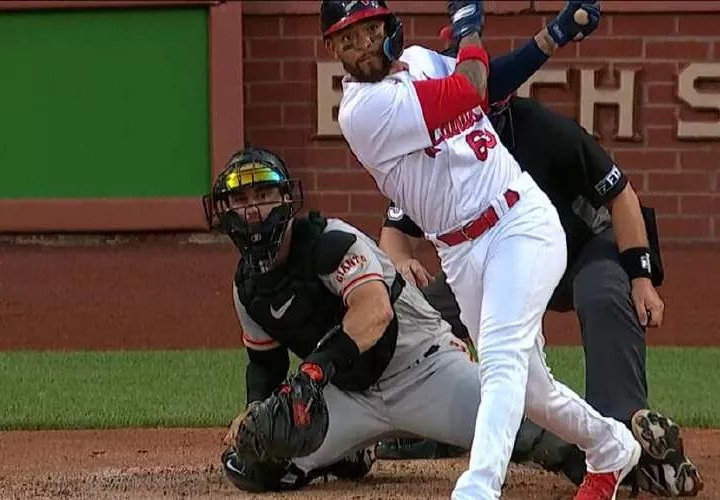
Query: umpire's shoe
(417, 449)
(663, 470)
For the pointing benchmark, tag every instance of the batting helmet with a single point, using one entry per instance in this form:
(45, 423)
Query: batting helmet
(338, 14)
(259, 240)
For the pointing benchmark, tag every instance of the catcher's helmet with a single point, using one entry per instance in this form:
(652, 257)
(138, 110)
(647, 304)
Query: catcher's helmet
(258, 241)
(338, 14)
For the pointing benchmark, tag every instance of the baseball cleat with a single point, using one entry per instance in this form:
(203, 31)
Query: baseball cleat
(604, 485)
(354, 466)
(664, 470)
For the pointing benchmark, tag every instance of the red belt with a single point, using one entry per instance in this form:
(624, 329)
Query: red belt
(476, 228)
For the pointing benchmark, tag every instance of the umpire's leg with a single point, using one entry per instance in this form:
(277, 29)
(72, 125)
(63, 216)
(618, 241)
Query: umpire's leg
(614, 340)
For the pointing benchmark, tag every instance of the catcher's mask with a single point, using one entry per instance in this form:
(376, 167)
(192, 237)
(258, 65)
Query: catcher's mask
(252, 201)
(338, 14)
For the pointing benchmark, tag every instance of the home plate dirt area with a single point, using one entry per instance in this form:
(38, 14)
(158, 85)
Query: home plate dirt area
(172, 463)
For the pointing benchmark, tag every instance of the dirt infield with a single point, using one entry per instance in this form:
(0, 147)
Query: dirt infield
(159, 294)
(150, 463)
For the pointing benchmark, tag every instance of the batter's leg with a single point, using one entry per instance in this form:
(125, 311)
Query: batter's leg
(356, 420)
(608, 444)
(611, 332)
(523, 267)
(523, 263)
(532, 444)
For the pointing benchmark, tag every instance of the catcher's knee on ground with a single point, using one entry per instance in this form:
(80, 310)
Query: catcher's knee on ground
(353, 466)
(417, 449)
(258, 476)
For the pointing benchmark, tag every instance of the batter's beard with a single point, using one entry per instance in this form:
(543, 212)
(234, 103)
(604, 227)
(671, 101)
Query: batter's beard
(375, 75)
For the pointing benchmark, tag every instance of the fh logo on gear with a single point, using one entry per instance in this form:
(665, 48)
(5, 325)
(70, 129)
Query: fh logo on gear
(352, 265)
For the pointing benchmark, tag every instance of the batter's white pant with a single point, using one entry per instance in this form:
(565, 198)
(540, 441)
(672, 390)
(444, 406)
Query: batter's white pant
(503, 282)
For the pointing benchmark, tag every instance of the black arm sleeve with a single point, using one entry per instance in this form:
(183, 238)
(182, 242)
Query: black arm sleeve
(397, 219)
(265, 371)
(508, 72)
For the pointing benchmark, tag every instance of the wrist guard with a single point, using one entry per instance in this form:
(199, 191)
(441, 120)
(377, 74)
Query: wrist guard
(636, 262)
(335, 351)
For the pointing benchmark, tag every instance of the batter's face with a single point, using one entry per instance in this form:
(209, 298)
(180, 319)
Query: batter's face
(254, 204)
(359, 48)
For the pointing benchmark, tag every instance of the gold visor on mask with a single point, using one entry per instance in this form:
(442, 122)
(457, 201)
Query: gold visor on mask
(250, 174)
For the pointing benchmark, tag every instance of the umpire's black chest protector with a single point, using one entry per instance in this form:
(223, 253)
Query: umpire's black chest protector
(295, 308)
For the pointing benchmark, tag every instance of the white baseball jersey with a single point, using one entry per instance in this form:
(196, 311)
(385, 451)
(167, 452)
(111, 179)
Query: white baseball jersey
(441, 178)
(419, 324)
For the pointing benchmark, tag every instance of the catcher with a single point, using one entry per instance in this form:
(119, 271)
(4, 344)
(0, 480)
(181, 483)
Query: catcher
(374, 352)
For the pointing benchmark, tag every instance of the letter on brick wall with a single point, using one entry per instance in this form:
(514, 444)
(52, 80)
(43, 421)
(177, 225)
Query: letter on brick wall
(328, 98)
(543, 77)
(699, 100)
(623, 97)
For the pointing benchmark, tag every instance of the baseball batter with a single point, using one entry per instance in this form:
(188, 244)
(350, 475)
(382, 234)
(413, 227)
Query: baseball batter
(417, 124)
(608, 236)
(374, 352)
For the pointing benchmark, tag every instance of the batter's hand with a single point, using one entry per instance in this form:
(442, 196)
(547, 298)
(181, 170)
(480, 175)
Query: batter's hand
(648, 304)
(414, 272)
(466, 17)
(565, 27)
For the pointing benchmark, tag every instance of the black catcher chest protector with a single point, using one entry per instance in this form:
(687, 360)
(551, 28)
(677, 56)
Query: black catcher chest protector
(295, 308)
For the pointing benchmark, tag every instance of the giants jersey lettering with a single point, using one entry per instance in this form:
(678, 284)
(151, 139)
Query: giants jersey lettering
(362, 262)
(441, 178)
(418, 322)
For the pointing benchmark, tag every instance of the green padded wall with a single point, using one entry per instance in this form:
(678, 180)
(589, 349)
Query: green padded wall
(104, 103)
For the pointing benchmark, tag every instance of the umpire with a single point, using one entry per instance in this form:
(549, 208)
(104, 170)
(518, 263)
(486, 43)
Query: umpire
(614, 259)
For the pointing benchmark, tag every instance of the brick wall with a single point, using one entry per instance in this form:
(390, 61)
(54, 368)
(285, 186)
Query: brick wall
(679, 178)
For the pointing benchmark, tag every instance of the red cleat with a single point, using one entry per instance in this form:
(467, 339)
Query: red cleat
(604, 485)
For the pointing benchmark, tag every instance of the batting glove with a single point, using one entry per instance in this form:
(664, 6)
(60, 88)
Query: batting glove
(466, 17)
(563, 29)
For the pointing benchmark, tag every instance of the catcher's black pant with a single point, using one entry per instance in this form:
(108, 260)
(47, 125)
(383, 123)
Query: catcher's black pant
(598, 289)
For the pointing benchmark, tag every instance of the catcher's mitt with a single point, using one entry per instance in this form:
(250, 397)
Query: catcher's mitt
(291, 423)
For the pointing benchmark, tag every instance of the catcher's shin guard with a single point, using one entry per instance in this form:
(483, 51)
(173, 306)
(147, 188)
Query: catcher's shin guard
(417, 449)
(664, 470)
(352, 467)
(536, 445)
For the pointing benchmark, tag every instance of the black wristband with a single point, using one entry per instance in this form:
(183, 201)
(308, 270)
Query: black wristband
(636, 262)
(335, 351)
